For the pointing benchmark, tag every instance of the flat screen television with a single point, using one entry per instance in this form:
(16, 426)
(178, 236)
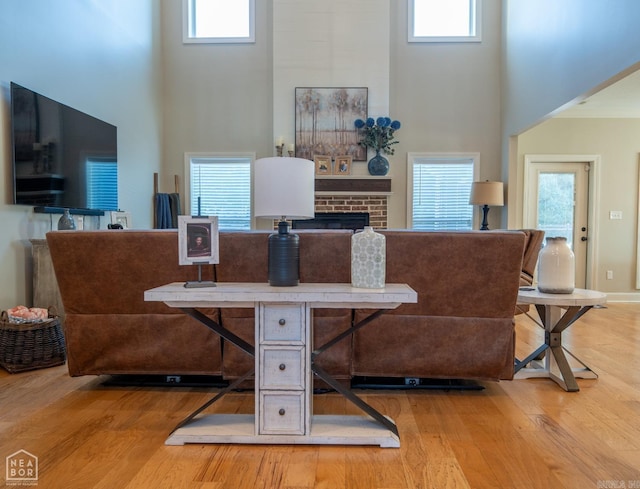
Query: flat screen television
(62, 158)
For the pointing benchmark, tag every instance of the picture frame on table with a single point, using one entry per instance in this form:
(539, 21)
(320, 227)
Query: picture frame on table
(121, 218)
(198, 240)
(342, 165)
(323, 164)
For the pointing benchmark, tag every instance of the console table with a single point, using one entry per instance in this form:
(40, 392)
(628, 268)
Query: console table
(284, 364)
(557, 312)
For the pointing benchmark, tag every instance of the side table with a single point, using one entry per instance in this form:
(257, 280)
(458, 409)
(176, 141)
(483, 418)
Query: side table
(557, 312)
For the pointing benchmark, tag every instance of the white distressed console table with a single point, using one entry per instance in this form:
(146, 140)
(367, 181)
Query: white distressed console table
(284, 364)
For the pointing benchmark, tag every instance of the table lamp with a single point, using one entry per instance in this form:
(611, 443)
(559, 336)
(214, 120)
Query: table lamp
(486, 194)
(284, 189)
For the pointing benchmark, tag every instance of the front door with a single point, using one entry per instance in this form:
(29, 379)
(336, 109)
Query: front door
(558, 203)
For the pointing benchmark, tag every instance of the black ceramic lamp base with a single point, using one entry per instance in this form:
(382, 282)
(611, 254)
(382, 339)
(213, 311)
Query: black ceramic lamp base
(485, 213)
(284, 257)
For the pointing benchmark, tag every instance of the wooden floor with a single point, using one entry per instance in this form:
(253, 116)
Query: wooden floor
(513, 434)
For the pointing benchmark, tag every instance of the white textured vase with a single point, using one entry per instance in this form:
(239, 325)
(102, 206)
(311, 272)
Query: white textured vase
(368, 259)
(556, 267)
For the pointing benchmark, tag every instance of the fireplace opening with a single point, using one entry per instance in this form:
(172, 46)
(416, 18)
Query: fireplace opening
(334, 220)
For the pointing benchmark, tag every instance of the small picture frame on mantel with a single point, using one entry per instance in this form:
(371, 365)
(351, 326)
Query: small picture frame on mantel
(323, 164)
(342, 165)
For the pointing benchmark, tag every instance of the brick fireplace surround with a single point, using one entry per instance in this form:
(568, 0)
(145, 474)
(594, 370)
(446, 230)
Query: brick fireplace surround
(375, 205)
(355, 195)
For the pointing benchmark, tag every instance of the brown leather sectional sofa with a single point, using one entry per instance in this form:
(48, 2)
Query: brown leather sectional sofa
(461, 327)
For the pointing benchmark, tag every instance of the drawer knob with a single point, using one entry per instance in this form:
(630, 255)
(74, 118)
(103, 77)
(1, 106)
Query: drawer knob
(282, 322)
(282, 366)
(281, 412)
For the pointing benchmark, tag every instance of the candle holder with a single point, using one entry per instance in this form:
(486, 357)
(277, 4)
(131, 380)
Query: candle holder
(279, 149)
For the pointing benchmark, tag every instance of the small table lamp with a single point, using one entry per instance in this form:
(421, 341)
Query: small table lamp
(284, 188)
(486, 194)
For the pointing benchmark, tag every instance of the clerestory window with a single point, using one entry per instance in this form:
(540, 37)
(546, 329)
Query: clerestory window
(218, 21)
(444, 20)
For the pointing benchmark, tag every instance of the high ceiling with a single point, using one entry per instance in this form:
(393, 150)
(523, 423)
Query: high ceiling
(619, 100)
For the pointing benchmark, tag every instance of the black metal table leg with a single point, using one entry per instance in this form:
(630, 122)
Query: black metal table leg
(322, 374)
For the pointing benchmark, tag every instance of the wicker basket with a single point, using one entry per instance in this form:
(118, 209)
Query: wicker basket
(31, 345)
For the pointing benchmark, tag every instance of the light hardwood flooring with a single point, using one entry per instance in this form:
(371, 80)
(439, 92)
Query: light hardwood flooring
(513, 434)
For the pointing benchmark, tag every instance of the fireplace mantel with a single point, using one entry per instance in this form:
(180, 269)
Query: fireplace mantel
(353, 186)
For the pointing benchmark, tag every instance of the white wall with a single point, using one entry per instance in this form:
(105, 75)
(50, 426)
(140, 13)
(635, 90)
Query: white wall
(335, 43)
(557, 51)
(98, 57)
(555, 54)
(241, 97)
(447, 97)
(616, 142)
(217, 97)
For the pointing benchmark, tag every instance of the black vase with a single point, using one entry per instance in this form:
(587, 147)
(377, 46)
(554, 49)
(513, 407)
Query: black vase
(284, 257)
(378, 165)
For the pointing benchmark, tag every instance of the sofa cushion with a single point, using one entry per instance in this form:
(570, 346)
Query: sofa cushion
(462, 324)
(325, 256)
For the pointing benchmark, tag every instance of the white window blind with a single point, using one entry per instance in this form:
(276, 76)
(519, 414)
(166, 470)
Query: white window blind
(102, 184)
(221, 186)
(440, 193)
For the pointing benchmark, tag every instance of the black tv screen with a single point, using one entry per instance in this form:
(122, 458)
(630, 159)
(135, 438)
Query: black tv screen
(61, 157)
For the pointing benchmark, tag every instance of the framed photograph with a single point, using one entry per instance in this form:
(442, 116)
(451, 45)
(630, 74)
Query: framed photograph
(198, 240)
(323, 164)
(342, 165)
(121, 218)
(325, 122)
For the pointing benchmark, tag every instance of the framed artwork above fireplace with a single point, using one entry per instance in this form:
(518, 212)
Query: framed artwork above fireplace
(325, 122)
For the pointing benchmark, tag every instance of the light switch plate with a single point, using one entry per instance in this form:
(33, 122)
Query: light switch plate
(615, 214)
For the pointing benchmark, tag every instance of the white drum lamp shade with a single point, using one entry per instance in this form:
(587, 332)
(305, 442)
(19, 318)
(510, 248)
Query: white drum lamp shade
(284, 189)
(486, 194)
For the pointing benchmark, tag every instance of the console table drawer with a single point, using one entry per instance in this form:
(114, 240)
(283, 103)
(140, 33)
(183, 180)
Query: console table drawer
(282, 367)
(282, 414)
(283, 322)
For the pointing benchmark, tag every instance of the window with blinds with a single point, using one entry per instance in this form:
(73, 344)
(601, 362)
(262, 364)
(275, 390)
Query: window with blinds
(102, 184)
(221, 186)
(439, 189)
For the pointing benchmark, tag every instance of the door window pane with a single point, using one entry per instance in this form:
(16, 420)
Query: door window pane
(556, 196)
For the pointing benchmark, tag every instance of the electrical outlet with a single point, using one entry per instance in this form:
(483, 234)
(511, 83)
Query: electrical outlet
(609, 274)
(615, 214)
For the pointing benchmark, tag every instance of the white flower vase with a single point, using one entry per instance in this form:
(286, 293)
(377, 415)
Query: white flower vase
(556, 267)
(368, 259)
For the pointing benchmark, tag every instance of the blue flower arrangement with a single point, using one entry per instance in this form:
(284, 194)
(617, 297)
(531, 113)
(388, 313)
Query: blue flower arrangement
(378, 134)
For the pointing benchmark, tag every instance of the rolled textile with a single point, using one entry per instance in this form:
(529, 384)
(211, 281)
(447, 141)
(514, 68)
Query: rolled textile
(163, 211)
